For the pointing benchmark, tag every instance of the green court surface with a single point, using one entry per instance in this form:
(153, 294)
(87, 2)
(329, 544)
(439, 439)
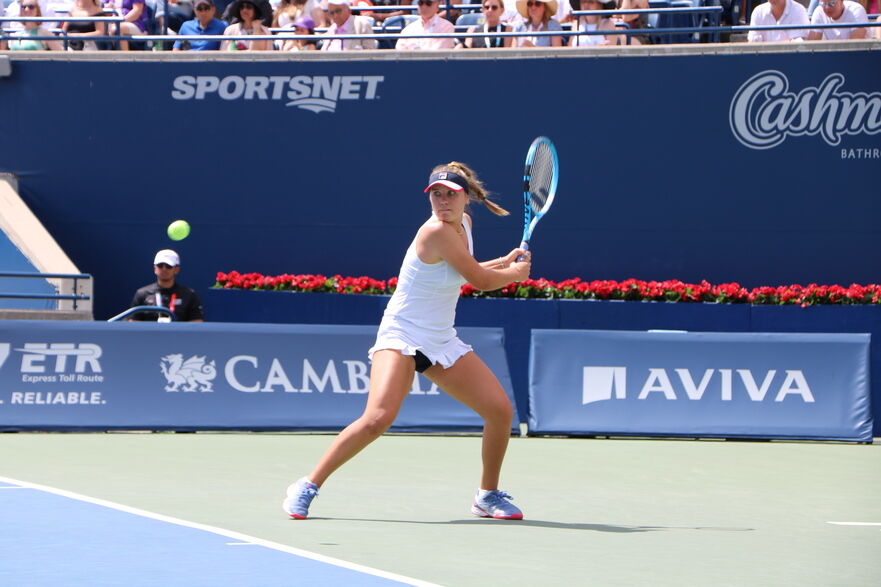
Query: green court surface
(598, 512)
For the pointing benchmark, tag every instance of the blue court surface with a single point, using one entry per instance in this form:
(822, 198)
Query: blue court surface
(54, 537)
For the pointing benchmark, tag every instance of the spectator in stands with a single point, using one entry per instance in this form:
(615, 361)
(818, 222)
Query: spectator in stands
(167, 292)
(228, 9)
(537, 18)
(838, 12)
(871, 6)
(13, 9)
(246, 18)
(492, 14)
(205, 23)
(22, 41)
(778, 12)
(343, 22)
(285, 13)
(179, 12)
(634, 21)
(428, 23)
(302, 26)
(78, 30)
(594, 22)
(135, 14)
(380, 16)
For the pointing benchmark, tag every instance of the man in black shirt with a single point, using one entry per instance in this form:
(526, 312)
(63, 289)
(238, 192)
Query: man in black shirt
(167, 292)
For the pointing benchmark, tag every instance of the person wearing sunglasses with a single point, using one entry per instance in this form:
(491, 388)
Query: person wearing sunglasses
(167, 292)
(778, 12)
(429, 22)
(841, 12)
(205, 23)
(246, 15)
(22, 40)
(537, 18)
(492, 14)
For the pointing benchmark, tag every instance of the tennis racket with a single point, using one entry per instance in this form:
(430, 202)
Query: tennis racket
(539, 185)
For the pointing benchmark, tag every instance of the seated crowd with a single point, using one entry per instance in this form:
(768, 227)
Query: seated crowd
(326, 20)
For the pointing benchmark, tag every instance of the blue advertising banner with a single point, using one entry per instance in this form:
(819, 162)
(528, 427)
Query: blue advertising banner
(82, 375)
(751, 385)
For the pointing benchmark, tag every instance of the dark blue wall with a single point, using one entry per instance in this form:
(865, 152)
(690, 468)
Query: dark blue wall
(655, 184)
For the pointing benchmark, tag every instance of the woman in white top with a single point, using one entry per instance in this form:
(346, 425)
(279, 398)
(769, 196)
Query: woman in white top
(594, 22)
(417, 334)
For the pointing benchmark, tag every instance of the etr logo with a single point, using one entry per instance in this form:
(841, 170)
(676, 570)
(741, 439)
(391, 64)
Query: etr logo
(37, 357)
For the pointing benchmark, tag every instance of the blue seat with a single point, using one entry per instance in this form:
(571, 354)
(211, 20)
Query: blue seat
(394, 25)
(469, 19)
(657, 21)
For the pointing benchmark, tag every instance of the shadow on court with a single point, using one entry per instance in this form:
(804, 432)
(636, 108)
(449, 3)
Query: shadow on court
(540, 524)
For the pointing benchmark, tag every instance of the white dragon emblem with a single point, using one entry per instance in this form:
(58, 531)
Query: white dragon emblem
(194, 374)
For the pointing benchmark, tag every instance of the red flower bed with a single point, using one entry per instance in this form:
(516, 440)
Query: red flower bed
(576, 289)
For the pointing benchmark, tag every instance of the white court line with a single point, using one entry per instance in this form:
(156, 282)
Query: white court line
(243, 538)
(855, 523)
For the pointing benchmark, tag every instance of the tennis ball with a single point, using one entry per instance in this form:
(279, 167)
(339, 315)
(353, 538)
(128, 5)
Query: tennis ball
(178, 230)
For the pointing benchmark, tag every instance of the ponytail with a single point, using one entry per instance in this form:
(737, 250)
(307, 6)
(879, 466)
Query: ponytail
(476, 190)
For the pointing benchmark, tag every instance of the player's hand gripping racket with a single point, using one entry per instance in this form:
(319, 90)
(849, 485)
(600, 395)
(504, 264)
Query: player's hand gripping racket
(539, 185)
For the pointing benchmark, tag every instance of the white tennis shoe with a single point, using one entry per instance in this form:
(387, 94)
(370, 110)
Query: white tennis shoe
(299, 496)
(496, 504)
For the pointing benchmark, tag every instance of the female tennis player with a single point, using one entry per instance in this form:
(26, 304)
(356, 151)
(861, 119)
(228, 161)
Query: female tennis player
(417, 334)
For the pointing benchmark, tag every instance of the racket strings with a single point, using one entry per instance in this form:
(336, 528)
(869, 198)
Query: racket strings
(541, 176)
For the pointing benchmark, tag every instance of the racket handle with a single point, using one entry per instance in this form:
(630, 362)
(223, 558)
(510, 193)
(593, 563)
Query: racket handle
(525, 246)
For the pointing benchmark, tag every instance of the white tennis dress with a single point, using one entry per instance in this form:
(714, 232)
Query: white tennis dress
(421, 313)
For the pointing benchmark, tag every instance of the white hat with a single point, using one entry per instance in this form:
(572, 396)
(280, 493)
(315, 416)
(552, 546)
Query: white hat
(551, 7)
(168, 257)
(339, 2)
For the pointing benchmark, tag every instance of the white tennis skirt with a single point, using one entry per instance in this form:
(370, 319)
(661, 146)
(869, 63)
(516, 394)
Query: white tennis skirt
(444, 352)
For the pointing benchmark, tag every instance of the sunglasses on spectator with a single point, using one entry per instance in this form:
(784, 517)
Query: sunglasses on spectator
(203, 7)
(27, 6)
(164, 266)
(334, 11)
(425, 2)
(531, 4)
(490, 7)
(829, 3)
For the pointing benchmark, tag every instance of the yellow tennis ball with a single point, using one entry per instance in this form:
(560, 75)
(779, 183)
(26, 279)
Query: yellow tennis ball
(178, 230)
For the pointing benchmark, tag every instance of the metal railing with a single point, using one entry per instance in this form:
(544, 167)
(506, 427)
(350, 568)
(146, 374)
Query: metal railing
(659, 32)
(75, 298)
(139, 309)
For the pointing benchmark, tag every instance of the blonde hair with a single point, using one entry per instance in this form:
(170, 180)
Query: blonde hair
(476, 190)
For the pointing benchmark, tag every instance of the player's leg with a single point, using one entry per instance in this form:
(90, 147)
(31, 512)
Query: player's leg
(391, 376)
(471, 382)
